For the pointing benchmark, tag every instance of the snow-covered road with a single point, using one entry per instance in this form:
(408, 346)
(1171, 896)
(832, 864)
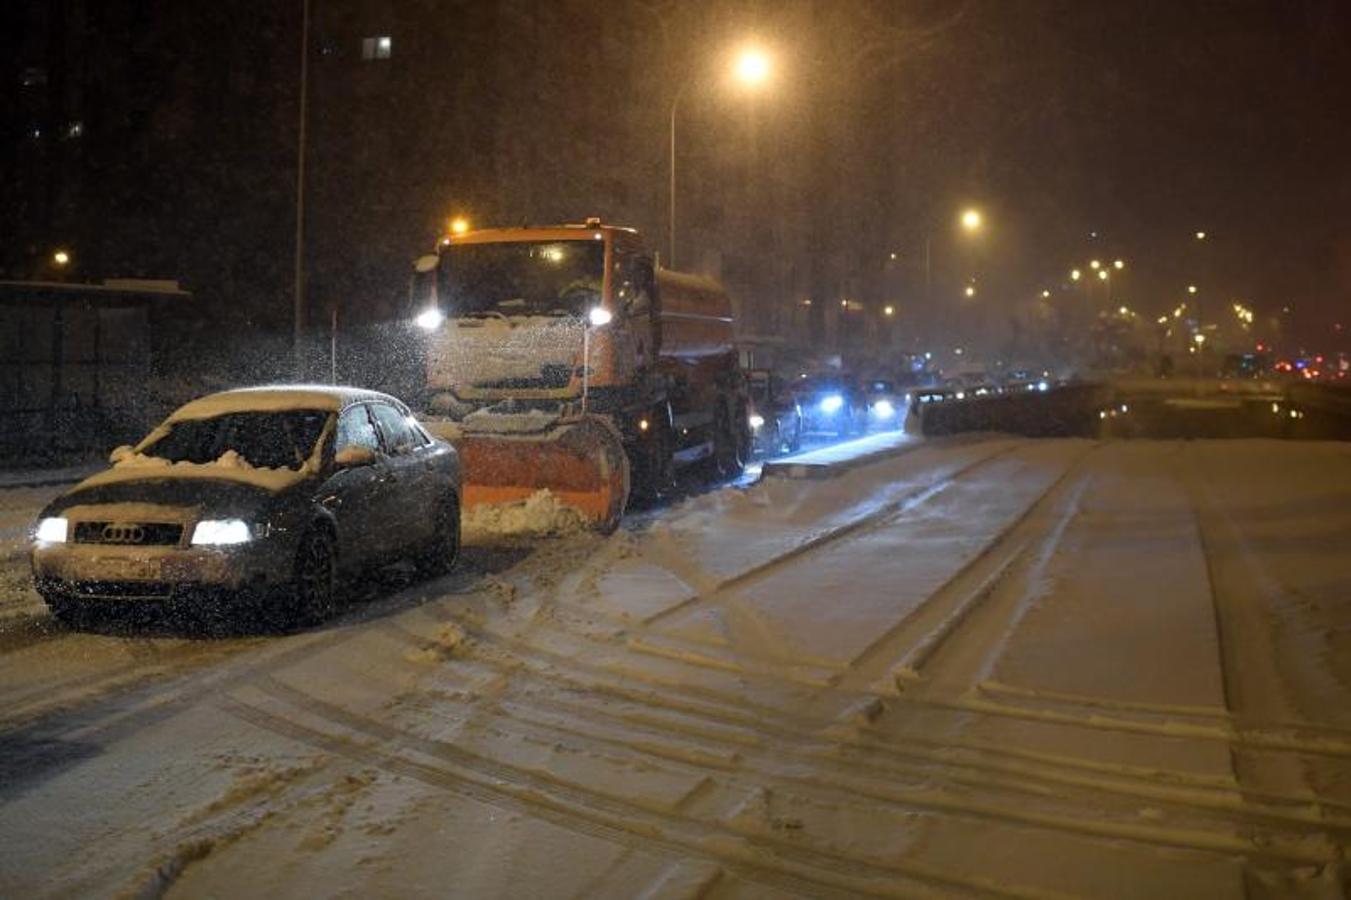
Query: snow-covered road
(986, 666)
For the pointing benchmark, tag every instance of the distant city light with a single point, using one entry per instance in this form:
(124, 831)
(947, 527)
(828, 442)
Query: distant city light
(1075, 274)
(1119, 264)
(970, 292)
(1095, 265)
(1191, 288)
(61, 257)
(1102, 274)
(1200, 235)
(888, 310)
(1046, 293)
(972, 219)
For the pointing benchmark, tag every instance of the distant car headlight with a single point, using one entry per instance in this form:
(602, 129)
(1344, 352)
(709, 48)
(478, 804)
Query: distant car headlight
(757, 420)
(1042, 386)
(883, 409)
(831, 403)
(52, 530)
(213, 532)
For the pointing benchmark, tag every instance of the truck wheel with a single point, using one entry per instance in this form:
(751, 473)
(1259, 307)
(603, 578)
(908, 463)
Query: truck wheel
(729, 446)
(653, 464)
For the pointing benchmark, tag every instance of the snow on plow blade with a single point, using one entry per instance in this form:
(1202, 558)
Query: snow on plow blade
(581, 463)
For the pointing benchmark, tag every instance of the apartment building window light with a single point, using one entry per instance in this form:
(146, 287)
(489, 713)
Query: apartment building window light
(378, 47)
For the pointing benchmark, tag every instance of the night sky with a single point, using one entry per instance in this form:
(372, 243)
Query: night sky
(1140, 121)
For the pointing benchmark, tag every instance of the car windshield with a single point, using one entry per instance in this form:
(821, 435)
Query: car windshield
(554, 278)
(264, 440)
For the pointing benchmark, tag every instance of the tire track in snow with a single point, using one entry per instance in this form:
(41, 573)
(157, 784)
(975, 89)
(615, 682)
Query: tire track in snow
(808, 745)
(781, 863)
(873, 519)
(1254, 686)
(905, 651)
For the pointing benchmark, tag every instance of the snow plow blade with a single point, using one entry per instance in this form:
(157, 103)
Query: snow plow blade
(581, 463)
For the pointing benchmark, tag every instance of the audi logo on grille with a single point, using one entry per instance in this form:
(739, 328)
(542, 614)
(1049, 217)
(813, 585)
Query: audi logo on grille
(119, 533)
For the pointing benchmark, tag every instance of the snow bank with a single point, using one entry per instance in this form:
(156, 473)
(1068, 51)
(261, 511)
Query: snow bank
(542, 513)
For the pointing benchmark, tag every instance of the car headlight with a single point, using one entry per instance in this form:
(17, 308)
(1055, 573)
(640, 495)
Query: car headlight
(831, 403)
(214, 532)
(757, 420)
(430, 319)
(883, 409)
(52, 530)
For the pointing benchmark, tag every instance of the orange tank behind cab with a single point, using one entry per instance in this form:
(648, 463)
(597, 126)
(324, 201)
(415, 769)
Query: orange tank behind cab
(696, 316)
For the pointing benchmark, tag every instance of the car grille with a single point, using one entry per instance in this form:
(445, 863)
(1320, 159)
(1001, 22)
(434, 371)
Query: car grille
(146, 534)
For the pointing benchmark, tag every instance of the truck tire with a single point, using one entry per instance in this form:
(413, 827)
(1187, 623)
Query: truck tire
(730, 446)
(653, 463)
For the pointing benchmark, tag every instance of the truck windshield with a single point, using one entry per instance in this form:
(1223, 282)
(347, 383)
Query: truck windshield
(556, 278)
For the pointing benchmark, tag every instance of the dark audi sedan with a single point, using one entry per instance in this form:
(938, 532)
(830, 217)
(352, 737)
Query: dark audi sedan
(270, 494)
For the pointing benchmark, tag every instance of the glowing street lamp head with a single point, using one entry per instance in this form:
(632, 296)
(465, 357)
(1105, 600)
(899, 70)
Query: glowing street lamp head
(459, 225)
(888, 310)
(970, 290)
(1191, 288)
(972, 220)
(1200, 235)
(1075, 274)
(752, 67)
(1119, 264)
(1095, 265)
(1102, 274)
(61, 257)
(1045, 294)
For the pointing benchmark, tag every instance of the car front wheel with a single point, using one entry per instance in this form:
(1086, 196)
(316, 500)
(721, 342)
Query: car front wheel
(441, 553)
(315, 578)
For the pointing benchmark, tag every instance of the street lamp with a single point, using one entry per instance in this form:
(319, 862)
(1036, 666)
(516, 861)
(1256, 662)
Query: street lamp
(970, 290)
(61, 258)
(1119, 264)
(972, 220)
(1075, 274)
(751, 69)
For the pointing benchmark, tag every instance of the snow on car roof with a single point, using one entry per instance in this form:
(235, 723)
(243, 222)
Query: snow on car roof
(276, 398)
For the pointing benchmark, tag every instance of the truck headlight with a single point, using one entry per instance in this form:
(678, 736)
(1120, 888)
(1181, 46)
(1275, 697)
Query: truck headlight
(832, 403)
(52, 530)
(214, 532)
(757, 420)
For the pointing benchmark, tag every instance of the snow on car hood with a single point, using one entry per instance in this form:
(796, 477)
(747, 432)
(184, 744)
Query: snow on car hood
(230, 466)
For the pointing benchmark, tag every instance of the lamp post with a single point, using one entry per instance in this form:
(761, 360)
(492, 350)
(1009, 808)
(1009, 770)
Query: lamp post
(298, 288)
(751, 68)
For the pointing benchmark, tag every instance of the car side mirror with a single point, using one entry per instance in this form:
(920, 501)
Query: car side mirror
(354, 457)
(125, 451)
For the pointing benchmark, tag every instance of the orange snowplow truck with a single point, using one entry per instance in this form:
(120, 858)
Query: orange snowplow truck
(562, 359)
